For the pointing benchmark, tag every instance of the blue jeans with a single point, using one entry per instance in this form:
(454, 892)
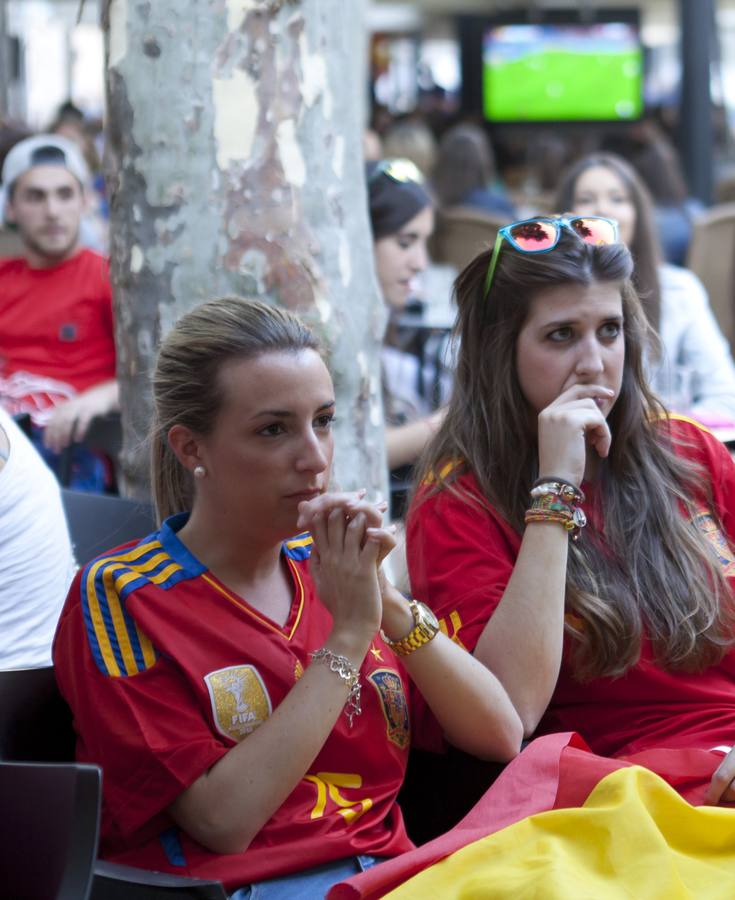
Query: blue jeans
(311, 884)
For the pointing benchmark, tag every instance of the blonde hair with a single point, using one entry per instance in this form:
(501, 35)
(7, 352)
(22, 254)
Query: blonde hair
(411, 139)
(186, 384)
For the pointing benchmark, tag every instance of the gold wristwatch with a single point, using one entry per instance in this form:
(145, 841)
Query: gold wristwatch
(425, 627)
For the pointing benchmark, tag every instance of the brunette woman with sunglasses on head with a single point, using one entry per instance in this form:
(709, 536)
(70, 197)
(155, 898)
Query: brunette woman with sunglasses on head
(567, 531)
(695, 368)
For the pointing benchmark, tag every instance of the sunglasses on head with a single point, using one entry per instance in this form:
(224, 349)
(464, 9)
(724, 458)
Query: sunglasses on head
(400, 170)
(540, 235)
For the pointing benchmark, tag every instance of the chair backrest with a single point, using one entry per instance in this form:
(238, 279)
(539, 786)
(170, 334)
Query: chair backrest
(98, 522)
(35, 722)
(711, 256)
(461, 232)
(49, 829)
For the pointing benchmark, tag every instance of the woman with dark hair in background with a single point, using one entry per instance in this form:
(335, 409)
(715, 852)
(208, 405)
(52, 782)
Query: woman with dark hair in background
(695, 372)
(402, 219)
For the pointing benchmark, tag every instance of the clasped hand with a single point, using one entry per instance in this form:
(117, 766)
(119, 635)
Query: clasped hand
(350, 542)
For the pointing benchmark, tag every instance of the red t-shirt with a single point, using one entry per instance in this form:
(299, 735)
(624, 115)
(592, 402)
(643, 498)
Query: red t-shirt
(165, 670)
(461, 556)
(56, 331)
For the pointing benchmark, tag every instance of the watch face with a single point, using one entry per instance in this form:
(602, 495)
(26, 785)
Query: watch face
(427, 615)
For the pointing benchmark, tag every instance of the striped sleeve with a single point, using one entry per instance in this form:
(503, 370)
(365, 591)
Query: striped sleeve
(118, 645)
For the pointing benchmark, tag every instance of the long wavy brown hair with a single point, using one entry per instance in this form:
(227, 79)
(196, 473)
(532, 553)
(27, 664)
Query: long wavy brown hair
(649, 567)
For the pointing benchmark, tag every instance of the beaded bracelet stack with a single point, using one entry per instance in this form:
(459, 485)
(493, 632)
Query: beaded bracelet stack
(556, 500)
(341, 666)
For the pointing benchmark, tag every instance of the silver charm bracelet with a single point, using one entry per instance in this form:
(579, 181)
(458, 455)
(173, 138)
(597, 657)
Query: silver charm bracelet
(341, 666)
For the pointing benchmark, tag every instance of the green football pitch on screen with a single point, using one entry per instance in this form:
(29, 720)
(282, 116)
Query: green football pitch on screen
(562, 86)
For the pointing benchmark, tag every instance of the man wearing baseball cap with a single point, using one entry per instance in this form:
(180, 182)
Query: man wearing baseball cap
(57, 351)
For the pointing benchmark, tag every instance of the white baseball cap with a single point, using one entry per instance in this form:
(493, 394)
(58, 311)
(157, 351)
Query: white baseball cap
(41, 150)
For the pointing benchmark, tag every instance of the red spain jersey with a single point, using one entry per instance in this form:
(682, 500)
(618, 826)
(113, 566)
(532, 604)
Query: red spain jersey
(461, 557)
(166, 669)
(56, 331)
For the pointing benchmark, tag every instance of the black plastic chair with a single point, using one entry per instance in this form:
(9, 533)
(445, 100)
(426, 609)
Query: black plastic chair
(114, 882)
(36, 724)
(98, 522)
(49, 829)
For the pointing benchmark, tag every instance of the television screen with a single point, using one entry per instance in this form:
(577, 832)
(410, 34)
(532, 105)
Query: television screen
(562, 72)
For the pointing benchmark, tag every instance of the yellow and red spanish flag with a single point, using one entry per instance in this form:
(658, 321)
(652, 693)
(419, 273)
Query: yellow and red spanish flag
(561, 823)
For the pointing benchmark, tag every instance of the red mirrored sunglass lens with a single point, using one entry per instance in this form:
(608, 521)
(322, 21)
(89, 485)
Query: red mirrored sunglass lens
(595, 231)
(535, 235)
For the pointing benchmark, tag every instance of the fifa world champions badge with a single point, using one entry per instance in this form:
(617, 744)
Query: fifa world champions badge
(240, 701)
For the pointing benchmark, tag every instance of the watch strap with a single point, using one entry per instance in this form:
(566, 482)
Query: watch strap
(423, 631)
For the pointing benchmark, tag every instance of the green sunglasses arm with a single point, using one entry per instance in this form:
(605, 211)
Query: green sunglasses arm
(493, 264)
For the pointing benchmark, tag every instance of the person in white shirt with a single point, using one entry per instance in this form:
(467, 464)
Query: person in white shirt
(36, 558)
(694, 372)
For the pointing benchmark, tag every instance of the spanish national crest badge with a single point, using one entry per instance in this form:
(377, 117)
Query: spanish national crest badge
(240, 701)
(389, 686)
(706, 523)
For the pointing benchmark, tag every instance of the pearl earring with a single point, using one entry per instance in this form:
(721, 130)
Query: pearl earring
(199, 471)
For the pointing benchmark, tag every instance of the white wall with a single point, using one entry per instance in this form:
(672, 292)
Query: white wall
(60, 60)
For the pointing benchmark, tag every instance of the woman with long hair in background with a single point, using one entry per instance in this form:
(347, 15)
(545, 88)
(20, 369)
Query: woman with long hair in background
(695, 370)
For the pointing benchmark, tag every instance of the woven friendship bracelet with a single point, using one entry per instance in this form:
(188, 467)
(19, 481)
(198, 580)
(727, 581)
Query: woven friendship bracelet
(544, 515)
(341, 666)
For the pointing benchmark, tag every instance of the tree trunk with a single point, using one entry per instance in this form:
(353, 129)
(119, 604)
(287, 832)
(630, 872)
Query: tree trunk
(235, 166)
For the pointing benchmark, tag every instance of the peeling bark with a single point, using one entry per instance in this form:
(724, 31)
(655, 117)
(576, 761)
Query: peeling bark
(235, 166)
